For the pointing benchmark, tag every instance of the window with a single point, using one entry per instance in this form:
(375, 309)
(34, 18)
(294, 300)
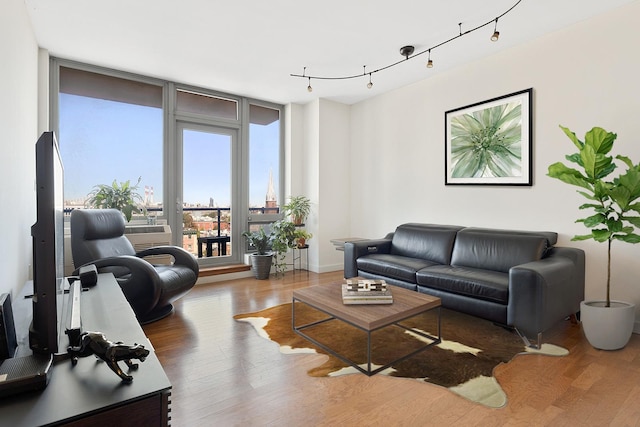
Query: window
(208, 163)
(109, 129)
(264, 158)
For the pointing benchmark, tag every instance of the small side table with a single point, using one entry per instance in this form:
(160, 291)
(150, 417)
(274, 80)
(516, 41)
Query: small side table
(298, 257)
(339, 243)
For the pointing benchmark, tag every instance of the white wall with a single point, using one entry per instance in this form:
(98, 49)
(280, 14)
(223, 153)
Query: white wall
(320, 161)
(582, 76)
(19, 124)
(333, 188)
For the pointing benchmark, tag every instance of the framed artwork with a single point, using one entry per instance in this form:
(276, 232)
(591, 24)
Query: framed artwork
(489, 143)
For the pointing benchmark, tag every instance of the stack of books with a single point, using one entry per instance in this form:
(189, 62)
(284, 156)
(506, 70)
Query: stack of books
(365, 291)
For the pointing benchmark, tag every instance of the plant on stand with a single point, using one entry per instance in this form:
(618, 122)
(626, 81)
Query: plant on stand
(299, 208)
(607, 324)
(123, 196)
(261, 259)
(301, 236)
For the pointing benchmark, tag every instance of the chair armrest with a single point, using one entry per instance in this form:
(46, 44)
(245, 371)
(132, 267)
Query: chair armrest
(354, 250)
(180, 256)
(541, 293)
(141, 285)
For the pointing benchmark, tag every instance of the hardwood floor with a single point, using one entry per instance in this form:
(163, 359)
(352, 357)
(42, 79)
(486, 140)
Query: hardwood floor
(223, 374)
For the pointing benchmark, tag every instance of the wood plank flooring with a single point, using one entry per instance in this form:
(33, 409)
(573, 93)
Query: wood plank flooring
(223, 374)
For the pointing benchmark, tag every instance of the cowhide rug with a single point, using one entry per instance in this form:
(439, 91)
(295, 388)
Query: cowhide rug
(471, 348)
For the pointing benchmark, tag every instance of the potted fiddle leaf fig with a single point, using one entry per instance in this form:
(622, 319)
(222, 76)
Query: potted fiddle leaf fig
(122, 196)
(615, 215)
(299, 208)
(261, 259)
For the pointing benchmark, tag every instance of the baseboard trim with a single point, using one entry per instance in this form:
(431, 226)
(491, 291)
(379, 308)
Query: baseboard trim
(225, 269)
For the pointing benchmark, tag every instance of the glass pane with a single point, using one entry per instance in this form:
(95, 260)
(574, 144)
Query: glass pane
(264, 160)
(109, 133)
(207, 105)
(206, 193)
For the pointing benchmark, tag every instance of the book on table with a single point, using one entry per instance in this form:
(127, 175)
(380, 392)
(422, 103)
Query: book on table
(362, 296)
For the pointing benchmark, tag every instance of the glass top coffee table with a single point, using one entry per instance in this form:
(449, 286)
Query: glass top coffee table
(366, 317)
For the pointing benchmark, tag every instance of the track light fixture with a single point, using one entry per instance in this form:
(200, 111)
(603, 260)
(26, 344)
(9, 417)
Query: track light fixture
(496, 33)
(408, 53)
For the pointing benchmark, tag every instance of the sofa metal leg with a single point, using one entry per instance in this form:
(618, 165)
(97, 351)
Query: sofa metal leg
(528, 343)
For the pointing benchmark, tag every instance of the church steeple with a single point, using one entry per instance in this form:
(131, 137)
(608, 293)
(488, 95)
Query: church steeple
(271, 202)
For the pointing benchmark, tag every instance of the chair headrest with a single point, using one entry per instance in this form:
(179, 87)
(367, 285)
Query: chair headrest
(95, 224)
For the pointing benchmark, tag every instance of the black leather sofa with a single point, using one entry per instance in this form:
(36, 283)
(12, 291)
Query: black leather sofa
(514, 278)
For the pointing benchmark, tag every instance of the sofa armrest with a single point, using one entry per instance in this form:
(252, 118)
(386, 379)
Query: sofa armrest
(354, 250)
(541, 293)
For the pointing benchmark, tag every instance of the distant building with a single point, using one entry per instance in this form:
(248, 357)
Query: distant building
(271, 201)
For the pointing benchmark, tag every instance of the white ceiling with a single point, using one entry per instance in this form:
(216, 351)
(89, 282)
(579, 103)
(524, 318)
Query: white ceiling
(250, 47)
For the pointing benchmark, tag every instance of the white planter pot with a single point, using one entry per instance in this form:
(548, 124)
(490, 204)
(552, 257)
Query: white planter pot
(607, 328)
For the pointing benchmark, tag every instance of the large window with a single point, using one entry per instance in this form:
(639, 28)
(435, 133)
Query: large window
(110, 129)
(210, 164)
(264, 143)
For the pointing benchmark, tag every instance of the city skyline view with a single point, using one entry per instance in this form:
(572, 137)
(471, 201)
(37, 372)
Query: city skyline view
(94, 134)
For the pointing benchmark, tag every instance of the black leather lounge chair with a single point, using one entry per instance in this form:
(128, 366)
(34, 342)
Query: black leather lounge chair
(97, 237)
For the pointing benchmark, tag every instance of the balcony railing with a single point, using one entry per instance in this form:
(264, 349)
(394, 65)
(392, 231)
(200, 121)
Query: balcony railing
(208, 232)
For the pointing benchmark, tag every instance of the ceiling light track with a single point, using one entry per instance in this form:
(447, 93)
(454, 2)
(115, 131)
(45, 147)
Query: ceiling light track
(408, 53)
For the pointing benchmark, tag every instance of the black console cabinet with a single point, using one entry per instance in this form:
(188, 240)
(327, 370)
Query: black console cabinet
(89, 393)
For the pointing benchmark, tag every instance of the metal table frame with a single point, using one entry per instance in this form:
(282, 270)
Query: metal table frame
(368, 371)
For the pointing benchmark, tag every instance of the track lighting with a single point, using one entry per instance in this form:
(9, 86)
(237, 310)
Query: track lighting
(408, 52)
(496, 33)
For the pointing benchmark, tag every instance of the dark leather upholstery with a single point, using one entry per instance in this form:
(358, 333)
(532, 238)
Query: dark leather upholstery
(433, 243)
(513, 277)
(97, 237)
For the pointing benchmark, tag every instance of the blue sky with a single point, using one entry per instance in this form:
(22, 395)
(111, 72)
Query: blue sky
(105, 140)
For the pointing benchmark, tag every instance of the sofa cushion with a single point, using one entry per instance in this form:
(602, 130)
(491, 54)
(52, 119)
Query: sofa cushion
(551, 236)
(426, 241)
(472, 282)
(394, 266)
(496, 251)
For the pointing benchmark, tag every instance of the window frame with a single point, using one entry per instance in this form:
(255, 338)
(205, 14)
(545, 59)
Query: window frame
(171, 118)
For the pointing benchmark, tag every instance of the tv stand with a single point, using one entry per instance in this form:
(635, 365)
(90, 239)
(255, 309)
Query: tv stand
(89, 393)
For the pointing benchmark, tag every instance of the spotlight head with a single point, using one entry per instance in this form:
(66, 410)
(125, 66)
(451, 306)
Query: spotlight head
(495, 36)
(309, 88)
(430, 63)
(369, 85)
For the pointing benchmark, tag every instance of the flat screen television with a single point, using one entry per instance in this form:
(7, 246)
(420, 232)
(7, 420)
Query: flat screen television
(48, 248)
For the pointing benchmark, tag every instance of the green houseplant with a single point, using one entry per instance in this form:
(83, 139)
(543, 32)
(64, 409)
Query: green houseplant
(615, 216)
(299, 208)
(301, 236)
(282, 238)
(261, 259)
(123, 196)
